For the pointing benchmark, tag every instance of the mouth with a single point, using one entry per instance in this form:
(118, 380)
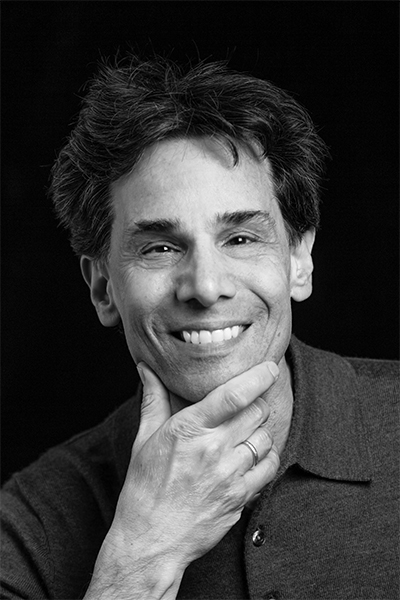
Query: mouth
(207, 336)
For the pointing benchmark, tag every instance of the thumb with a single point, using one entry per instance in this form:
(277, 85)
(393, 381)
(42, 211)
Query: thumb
(156, 408)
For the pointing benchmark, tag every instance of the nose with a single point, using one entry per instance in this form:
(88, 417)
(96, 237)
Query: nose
(205, 277)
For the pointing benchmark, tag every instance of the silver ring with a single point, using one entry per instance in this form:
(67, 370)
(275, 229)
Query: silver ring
(254, 452)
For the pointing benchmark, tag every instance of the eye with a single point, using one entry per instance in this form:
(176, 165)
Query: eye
(160, 249)
(239, 240)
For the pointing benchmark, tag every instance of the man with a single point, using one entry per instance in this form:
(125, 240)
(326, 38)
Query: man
(258, 467)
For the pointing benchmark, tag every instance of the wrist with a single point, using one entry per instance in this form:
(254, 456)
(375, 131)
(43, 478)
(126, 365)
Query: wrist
(133, 571)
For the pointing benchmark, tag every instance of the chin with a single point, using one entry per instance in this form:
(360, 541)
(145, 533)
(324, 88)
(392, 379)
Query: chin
(194, 388)
(194, 393)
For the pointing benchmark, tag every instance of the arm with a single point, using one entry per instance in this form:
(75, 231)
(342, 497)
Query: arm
(186, 485)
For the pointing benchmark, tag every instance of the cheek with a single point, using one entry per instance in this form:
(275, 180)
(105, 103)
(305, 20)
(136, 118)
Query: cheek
(135, 288)
(141, 297)
(271, 282)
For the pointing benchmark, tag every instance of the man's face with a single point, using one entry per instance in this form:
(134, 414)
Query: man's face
(200, 266)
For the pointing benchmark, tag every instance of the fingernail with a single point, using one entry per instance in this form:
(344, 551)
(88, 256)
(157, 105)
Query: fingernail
(274, 369)
(141, 372)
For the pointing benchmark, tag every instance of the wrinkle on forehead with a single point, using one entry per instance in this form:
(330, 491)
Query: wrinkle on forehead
(176, 150)
(195, 169)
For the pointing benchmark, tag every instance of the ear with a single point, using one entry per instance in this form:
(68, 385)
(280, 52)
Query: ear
(301, 267)
(101, 293)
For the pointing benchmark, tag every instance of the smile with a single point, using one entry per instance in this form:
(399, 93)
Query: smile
(204, 336)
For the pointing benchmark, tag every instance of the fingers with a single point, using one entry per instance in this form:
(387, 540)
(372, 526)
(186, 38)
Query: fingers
(261, 442)
(242, 425)
(235, 395)
(267, 468)
(155, 408)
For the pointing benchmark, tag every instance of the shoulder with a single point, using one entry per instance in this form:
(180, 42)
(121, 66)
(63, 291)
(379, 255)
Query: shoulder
(350, 411)
(89, 455)
(370, 384)
(365, 370)
(370, 370)
(330, 378)
(56, 512)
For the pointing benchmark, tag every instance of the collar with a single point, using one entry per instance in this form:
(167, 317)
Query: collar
(328, 431)
(327, 434)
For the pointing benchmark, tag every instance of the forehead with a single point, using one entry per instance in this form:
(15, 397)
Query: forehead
(193, 179)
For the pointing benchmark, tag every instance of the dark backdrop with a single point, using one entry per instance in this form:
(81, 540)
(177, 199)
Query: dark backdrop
(62, 371)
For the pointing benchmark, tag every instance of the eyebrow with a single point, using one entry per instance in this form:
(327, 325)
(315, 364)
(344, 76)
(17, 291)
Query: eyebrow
(242, 217)
(154, 225)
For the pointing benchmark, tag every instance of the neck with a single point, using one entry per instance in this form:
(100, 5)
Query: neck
(280, 401)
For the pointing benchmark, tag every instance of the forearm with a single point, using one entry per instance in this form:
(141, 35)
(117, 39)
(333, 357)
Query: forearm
(137, 572)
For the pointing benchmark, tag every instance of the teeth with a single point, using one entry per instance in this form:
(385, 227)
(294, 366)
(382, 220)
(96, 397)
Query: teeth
(217, 335)
(205, 337)
(227, 333)
(208, 337)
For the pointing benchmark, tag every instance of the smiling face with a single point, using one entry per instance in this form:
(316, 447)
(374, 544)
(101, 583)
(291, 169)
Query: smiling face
(200, 269)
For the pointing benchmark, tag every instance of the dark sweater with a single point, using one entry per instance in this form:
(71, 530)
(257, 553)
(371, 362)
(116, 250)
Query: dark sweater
(327, 526)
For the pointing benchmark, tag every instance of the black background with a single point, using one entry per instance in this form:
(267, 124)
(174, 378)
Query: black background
(63, 372)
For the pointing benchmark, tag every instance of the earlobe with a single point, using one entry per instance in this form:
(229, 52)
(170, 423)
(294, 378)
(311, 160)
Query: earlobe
(302, 267)
(101, 292)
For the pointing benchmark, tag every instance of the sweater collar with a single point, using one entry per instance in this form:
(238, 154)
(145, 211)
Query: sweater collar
(327, 434)
(328, 431)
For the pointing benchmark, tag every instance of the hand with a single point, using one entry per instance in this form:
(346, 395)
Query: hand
(189, 478)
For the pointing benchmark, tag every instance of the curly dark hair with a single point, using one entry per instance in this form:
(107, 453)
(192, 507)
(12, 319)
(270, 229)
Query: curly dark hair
(133, 103)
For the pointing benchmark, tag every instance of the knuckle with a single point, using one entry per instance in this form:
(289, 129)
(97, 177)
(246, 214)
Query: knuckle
(182, 430)
(213, 449)
(266, 437)
(224, 473)
(256, 410)
(234, 399)
(148, 400)
(255, 381)
(210, 455)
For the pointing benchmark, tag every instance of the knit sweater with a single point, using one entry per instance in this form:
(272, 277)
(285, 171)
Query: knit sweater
(326, 527)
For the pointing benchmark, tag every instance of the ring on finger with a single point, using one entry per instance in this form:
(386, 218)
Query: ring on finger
(254, 452)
